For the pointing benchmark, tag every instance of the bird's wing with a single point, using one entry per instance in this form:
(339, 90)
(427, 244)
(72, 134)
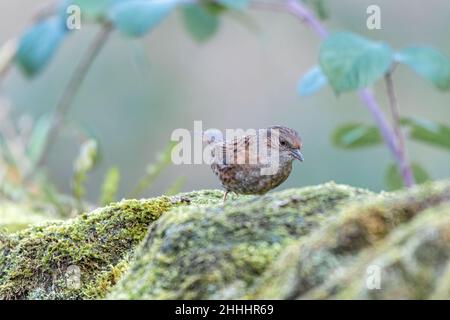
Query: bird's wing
(242, 151)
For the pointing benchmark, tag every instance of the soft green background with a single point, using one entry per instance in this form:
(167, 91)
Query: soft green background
(139, 91)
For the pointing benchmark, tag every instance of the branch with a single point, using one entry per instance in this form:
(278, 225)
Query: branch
(64, 104)
(299, 10)
(406, 170)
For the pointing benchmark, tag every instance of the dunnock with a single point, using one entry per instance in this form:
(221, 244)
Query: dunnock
(242, 163)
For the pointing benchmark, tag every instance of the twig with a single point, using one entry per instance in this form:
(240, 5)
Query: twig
(63, 107)
(298, 9)
(406, 170)
(306, 15)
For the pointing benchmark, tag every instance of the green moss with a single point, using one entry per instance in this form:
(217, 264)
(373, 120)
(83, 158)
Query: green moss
(314, 242)
(34, 261)
(217, 251)
(412, 263)
(309, 267)
(106, 280)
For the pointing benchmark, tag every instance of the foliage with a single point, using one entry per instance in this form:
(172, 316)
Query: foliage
(356, 135)
(38, 45)
(394, 178)
(200, 21)
(349, 62)
(137, 17)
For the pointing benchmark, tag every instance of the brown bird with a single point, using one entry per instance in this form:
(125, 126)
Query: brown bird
(254, 163)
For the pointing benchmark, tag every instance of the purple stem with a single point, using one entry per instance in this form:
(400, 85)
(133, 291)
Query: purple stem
(300, 10)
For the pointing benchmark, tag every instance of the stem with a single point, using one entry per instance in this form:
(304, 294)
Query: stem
(64, 104)
(301, 11)
(406, 170)
(298, 9)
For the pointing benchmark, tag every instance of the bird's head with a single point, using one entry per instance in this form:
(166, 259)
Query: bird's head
(290, 143)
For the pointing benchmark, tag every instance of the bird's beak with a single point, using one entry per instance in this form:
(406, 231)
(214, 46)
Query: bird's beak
(297, 154)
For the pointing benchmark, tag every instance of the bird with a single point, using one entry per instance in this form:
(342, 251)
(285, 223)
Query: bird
(254, 163)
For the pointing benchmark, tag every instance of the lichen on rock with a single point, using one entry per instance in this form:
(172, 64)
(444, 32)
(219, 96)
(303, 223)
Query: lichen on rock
(411, 264)
(34, 262)
(218, 251)
(322, 265)
(315, 242)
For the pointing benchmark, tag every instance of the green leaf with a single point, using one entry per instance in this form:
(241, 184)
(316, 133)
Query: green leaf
(234, 4)
(429, 63)
(110, 186)
(356, 135)
(319, 8)
(200, 22)
(38, 138)
(351, 62)
(93, 9)
(312, 82)
(428, 131)
(137, 18)
(38, 45)
(394, 180)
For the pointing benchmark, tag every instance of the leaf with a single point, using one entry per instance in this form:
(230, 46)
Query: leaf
(429, 63)
(38, 45)
(234, 4)
(312, 82)
(351, 62)
(200, 22)
(38, 138)
(136, 18)
(356, 135)
(319, 8)
(110, 186)
(428, 131)
(93, 9)
(394, 179)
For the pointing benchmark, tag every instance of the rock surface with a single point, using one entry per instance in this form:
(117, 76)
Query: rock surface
(328, 241)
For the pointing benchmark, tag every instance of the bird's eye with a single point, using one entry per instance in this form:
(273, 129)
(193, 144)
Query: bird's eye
(283, 143)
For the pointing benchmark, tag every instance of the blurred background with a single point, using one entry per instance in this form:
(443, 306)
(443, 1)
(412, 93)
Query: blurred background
(139, 90)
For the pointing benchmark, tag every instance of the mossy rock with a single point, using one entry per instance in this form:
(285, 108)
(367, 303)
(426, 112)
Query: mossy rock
(403, 236)
(218, 251)
(412, 263)
(79, 258)
(315, 242)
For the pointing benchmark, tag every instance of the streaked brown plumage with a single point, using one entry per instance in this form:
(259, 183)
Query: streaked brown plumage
(240, 167)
